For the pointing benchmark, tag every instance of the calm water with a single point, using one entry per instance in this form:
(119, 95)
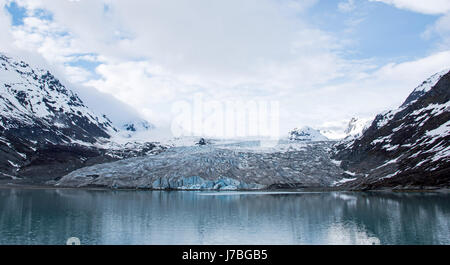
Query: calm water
(131, 217)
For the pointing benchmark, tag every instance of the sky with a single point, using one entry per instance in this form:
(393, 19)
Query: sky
(323, 61)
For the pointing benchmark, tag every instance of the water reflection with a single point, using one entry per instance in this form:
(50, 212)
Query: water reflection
(131, 217)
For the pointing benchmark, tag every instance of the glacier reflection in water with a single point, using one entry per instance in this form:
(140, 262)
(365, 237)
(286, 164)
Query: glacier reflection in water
(144, 217)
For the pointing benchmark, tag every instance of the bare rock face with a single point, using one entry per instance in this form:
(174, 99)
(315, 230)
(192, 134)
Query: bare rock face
(213, 167)
(406, 148)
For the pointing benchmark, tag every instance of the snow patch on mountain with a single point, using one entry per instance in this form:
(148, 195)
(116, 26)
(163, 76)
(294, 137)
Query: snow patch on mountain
(441, 131)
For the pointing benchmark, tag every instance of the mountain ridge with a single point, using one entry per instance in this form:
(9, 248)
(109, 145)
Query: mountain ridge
(408, 147)
(47, 133)
(46, 129)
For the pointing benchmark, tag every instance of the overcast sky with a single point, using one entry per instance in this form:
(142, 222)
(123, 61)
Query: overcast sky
(325, 61)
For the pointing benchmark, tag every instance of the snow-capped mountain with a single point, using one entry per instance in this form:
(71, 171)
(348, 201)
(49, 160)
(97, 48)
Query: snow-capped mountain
(357, 126)
(137, 126)
(43, 122)
(134, 129)
(408, 147)
(424, 88)
(306, 134)
(33, 100)
(353, 129)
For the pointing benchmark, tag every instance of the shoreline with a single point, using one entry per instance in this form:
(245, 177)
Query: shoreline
(324, 189)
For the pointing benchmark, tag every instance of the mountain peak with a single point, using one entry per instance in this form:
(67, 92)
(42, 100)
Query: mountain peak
(306, 134)
(426, 86)
(31, 97)
(46, 130)
(357, 126)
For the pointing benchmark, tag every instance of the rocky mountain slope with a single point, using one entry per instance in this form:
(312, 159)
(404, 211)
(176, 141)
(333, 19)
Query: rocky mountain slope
(46, 130)
(406, 148)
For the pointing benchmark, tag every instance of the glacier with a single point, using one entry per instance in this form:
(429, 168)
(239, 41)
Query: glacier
(217, 167)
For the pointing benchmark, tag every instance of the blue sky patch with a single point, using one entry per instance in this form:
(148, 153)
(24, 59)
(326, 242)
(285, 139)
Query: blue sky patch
(17, 12)
(377, 30)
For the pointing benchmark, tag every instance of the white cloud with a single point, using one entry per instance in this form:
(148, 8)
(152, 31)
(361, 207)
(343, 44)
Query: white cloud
(153, 53)
(5, 36)
(365, 95)
(221, 40)
(440, 29)
(421, 6)
(77, 74)
(128, 79)
(347, 6)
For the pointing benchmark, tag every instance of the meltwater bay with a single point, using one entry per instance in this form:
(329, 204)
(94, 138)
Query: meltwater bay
(51, 216)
